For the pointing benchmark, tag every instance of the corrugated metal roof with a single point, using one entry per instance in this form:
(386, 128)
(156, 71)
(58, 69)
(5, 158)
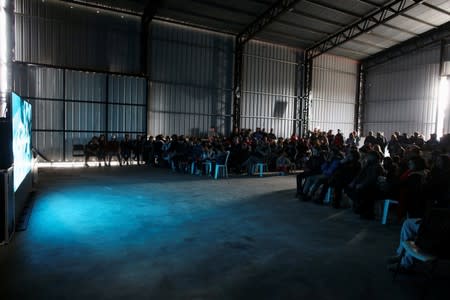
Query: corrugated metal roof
(307, 23)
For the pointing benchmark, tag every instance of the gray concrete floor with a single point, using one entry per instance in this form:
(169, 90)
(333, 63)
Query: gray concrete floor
(140, 233)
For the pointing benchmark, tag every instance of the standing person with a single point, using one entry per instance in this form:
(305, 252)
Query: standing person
(394, 147)
(339, 140)
(137, 148)
(125, 149)
(381, 141)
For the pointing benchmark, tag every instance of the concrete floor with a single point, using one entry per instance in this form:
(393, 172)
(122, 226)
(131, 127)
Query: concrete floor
(140, 233)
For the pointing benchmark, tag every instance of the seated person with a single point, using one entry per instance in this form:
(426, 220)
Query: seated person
(363, 190)
(91, 149)
(429, 235)
(328, 168)
(283, 164)
(259, 155)
(409, 231)
(311, 167)
(347, 170)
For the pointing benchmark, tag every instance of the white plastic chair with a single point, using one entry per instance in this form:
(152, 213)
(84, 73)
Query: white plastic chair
(223, 167)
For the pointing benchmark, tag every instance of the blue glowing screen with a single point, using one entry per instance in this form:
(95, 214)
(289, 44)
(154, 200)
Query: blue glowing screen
(21, 112)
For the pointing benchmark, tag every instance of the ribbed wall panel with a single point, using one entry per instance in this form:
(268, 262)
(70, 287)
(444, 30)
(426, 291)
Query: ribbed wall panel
(127, 90)
(126, 118)
(402, 95)
(32, 81)
(84, 86)
(268, 88)
(85, 116)
(50, 32)
(333, 94)
(44, 88)
(47, 115)
(49, 144)
(191, 73)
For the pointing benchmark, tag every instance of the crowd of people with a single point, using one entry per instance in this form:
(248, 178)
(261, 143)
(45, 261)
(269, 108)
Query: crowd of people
(413, 171)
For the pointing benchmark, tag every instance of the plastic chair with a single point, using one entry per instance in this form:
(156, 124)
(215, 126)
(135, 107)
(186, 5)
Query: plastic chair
(259, 168)
(387, 202)
(208, 167)
(328, 196)
(223, 167)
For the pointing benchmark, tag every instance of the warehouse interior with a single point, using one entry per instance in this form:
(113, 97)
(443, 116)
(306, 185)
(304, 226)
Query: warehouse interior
(185, 67)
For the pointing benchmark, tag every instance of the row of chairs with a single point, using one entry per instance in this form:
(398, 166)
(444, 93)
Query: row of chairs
(222, 169)
(386, 204)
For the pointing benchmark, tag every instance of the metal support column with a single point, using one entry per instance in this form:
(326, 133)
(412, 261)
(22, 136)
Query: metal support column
(237, 92)
(107, 108)
(298, 93)
(270, 15)
(64, 116)
(360, 98)
(150, 10)
(307, 85)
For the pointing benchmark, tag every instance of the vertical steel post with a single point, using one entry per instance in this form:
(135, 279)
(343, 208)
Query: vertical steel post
(64, 116)
(360, 98)
(107, 107)
(307, 85)
(237, 91)
(298, 93)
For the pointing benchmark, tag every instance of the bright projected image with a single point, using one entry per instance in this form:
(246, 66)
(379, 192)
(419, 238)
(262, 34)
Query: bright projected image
(21, 127)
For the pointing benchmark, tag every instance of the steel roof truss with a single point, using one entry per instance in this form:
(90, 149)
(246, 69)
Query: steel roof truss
(379, 16)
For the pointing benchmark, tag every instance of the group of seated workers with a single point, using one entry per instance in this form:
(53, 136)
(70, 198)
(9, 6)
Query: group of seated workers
(418, 172)
(245, 148)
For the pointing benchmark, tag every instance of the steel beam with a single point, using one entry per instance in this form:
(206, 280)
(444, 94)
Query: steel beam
(423, 40)
(402, 14)
(271, 14)
(277, 9)
(149, 12)
(103, 7)
(365, 24)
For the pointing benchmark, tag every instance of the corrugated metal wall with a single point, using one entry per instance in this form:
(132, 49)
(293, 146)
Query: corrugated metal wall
(69, 107)
(446, 107)
(43, 87)
(333, 94)
(51, 32)
(269, 88)
(191, 80)
(402, 95)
